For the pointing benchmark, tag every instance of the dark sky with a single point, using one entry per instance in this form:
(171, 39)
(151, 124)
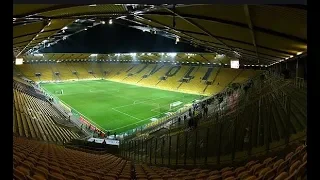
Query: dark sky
(117, 39)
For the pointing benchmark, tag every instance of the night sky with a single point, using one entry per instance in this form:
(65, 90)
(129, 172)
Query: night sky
(117, 38)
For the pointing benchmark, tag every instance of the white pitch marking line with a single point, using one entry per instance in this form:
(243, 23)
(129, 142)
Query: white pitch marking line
(141, 102)
(147, 119)
(126, 114)
(78, 112)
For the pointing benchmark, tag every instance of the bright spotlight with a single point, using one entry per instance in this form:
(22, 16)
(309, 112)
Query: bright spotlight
(102, 22)
(93, 55)
(19, 61)
(177, 40)
(133, 54)
(172, 54)
(149, 54)
(110, 21)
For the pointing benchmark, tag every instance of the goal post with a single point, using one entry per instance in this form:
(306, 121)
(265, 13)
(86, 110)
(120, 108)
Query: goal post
(175, 104)
(58, 91)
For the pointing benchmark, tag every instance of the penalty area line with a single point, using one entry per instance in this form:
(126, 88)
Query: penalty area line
(136, 122)
(126, 114)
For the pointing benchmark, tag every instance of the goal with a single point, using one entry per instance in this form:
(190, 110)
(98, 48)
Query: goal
(175, 104)
(58, 91)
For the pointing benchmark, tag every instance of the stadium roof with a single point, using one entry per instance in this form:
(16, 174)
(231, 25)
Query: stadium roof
(262, 34)
(188, 58)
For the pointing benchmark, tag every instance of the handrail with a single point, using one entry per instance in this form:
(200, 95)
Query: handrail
(226, 89)
(229, 129)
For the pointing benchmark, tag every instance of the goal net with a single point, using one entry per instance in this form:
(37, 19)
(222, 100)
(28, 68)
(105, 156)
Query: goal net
(175, 104)
(58, 91)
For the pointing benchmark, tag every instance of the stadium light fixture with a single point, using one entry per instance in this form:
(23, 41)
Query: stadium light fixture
(133, 54)
(172, 54)
(118, 54)
(103, 22)
(93, 55)
(110, 21)
(85, 29)
(19, 61)
(177, 40)
(142, 54)
(92, 5)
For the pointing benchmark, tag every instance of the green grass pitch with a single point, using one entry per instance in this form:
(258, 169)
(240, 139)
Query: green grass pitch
(117, 107)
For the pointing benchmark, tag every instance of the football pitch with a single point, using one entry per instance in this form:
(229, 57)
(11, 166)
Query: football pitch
(115, 106)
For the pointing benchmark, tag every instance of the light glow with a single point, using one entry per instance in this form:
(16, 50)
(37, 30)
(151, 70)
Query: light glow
(172, 54)
(19, 61)
(93, 55)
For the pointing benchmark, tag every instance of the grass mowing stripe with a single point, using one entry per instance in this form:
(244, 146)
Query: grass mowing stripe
(98, 99)
(81, 114)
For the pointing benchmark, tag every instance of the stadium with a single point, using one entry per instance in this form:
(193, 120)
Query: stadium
(159, 92)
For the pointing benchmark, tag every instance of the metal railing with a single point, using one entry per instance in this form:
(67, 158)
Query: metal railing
(261, 125)
(300, 83)
(172, 119)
